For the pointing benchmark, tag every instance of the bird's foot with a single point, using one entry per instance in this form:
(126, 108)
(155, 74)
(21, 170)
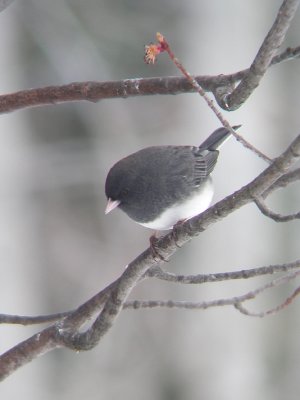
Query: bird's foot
(154, 249)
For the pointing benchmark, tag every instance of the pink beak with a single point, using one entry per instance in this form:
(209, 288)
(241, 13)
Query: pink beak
(111, 205)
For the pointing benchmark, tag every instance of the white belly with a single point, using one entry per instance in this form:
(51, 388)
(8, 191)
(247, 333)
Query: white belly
(197, 203)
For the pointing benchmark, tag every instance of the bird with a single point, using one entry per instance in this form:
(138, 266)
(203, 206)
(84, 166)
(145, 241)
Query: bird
(160, 186)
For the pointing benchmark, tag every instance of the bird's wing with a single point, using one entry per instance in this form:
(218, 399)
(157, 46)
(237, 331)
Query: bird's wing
(204, 164)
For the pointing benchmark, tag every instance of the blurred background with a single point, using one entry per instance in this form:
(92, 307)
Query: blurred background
(58, 248)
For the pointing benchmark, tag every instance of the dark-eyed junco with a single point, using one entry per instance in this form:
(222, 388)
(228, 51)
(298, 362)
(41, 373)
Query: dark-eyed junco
(161, 185)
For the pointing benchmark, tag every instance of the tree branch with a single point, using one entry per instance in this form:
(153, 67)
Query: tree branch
(158, 273)
(96, 91)
(271, 311)
(283, 181)
(264, 57)
(181, 234)
(232, 301)
(271, 214)
(31, 320)
(286, 55)
(111, 299)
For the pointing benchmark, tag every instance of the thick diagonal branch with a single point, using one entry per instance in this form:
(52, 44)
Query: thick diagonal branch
(167, 245)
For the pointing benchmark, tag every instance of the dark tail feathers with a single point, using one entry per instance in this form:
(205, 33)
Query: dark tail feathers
(217, 138)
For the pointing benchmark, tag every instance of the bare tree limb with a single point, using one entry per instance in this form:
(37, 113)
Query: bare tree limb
(288, 54)
(158, 273)
(96, 91)
(232, 301)
(167, 245)
(50, 338)
(262, 314)
(264, 57)
(283, 181)
(31, 320)
(271, 214)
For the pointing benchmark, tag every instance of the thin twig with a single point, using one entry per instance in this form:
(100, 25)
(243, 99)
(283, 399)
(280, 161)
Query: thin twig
(287, 55)
(31, 320)
(271, 214)
(275, 310)
(158, 273)
(231, 301)
(150, 56)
